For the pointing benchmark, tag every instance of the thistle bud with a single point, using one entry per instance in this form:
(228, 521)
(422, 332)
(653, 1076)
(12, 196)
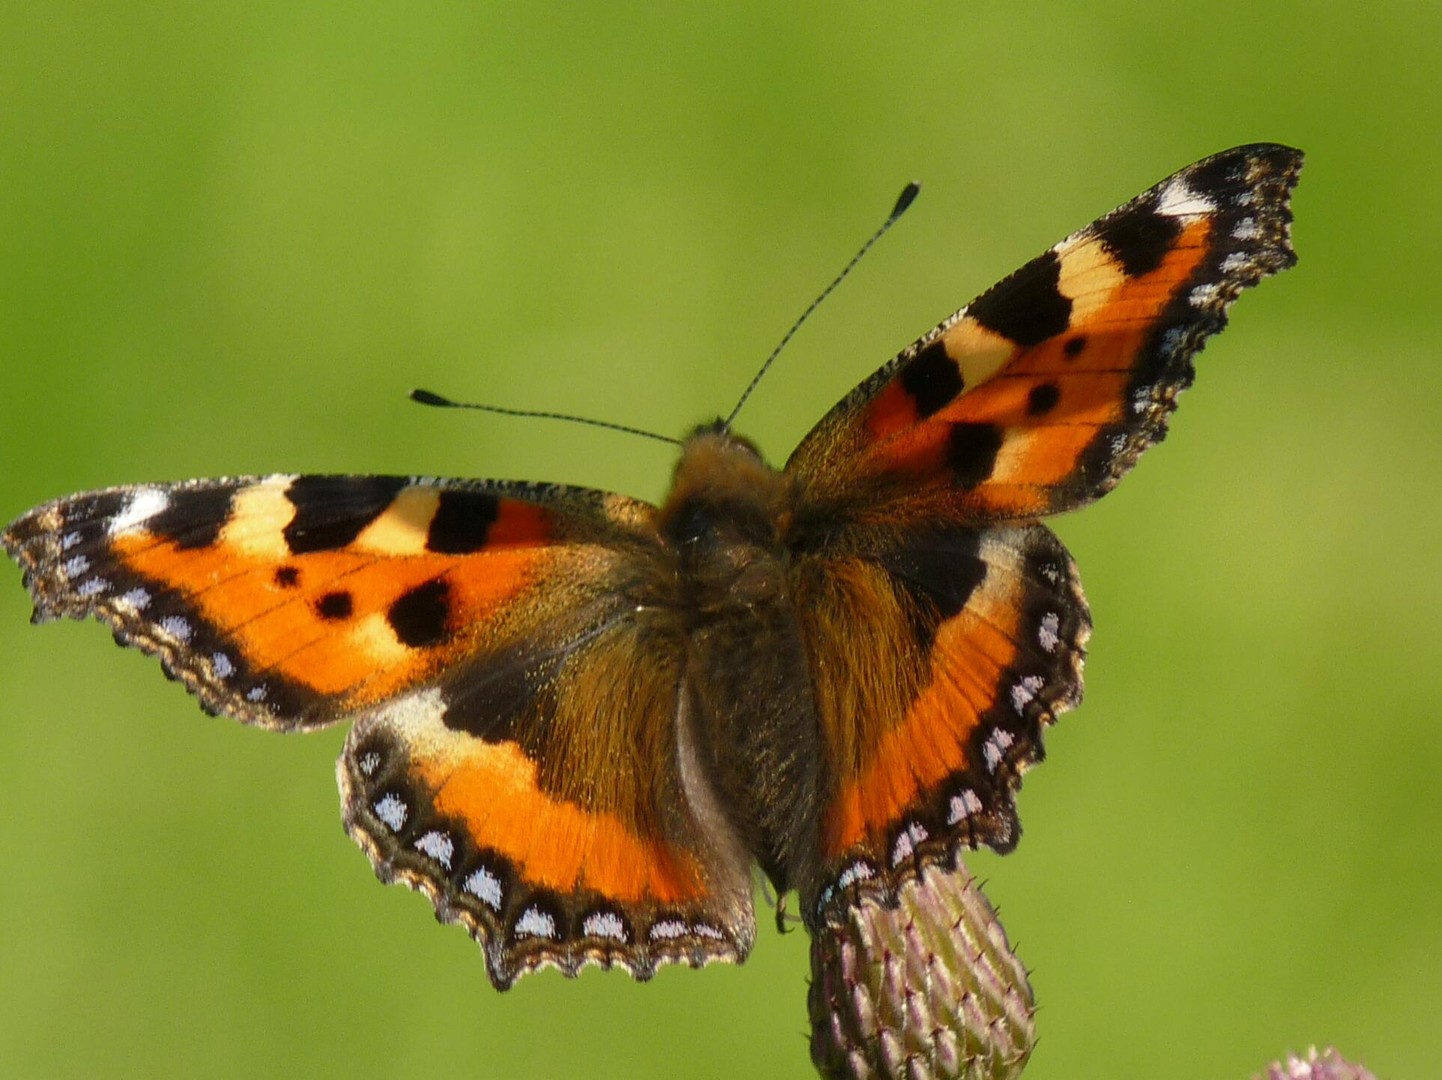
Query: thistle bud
(928, 988)
(1328, 1065)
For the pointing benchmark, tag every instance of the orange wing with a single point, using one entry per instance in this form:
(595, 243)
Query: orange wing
(1039, 395)
(945, 627)
(938, 654)
(501, 647)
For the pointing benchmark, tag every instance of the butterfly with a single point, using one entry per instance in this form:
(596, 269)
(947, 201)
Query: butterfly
(579, 720)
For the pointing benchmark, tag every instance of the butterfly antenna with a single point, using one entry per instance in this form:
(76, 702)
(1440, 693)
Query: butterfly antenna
(903, 202)
(426, 397)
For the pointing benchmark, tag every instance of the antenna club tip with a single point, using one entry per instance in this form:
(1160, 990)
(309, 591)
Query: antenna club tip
(906, 198)
(425, 397)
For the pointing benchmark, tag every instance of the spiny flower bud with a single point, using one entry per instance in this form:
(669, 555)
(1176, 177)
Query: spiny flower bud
(928, 988)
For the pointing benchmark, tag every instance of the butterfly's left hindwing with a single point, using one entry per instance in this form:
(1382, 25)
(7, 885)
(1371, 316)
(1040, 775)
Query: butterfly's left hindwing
(494, 645)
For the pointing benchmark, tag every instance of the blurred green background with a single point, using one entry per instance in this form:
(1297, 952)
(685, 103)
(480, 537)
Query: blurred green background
(231, 240)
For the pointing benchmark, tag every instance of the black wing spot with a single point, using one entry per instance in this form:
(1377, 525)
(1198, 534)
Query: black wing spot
(1075, 346)
(511, 693)
(932, 379)
(1221, 173)
(335, 605)
(462, 522)
(1027, 307)
(1138, 238)
(192, 518)
(971, 452)
(421, 617)
(101, 508)
(1042, 399)
(942, 565)
(331, 511)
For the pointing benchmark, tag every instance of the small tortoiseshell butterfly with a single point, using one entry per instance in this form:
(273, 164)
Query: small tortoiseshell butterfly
(579, 719)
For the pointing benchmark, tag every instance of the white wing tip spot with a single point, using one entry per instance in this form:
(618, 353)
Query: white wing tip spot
(1049, 634)
(604, 924)
(536, 923)
(438, 846)
(963, 806)
(667, 930)
(906, 842)
(1203, 295)
(143, 505)
(176, 626)
(857, 871)
(74, 567)
(1024, 691)
(136, 599)
(221, 666)
(1179, 200)
(485, 887)
(992, 755)
(92, 587)
(391, 810)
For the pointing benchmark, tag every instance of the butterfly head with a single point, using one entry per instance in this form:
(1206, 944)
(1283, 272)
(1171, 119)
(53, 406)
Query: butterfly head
(722, 476)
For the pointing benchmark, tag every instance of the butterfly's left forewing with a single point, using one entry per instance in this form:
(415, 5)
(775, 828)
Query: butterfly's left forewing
(500, 647)
(1039, 395)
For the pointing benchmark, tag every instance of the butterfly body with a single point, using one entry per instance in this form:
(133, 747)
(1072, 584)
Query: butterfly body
(727, 520)
(578, 720)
